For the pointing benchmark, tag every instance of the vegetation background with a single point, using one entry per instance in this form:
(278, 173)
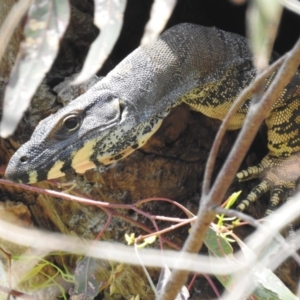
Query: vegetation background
(170, 166)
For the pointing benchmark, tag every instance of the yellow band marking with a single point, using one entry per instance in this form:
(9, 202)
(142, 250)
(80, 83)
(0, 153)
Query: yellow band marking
(107, 160)
(33, 177)
(81, 158)
(55, 171)
(84, 167)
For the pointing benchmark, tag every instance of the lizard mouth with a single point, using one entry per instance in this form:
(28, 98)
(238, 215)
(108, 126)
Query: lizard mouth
(81, 161)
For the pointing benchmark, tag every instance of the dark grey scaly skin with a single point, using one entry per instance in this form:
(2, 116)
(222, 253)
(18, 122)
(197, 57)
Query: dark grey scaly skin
(204, 67)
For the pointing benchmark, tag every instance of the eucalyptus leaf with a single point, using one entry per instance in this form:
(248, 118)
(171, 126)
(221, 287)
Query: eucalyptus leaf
(263, 19)
(108, 18)
(86, 284)
(219, 247)
(45, 25)
(293, 5)
(160, 13)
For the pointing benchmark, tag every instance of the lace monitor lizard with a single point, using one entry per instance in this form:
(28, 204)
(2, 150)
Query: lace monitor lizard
(205, 68)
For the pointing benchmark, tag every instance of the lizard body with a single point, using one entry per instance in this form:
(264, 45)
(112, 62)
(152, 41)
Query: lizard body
(205, 68)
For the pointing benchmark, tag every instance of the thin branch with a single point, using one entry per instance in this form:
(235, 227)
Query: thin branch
(151, 257)
(251, 89)
(105, 206)
(145, 270)
(104, 227)
(168, 229)
(175, 203)
(49, 242)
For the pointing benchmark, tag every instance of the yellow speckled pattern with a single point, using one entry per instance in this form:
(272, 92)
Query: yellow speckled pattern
(215, 99)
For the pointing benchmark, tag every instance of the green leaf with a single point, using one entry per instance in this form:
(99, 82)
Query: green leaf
(217, 244)
(86, 284)
(269, 286)
(33, 272)
(129, 238)
(147, 241)
(119, 268)
(218, 247)
(232, 199)
(150, 240)
(112, 289)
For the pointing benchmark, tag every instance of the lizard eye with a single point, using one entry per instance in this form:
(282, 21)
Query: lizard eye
(24, 159)
(72, 122)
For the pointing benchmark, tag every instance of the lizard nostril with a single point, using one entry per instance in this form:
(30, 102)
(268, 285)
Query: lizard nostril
(23, 159)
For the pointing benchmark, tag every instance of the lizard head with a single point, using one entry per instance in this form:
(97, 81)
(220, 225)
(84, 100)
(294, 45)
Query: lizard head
(93, 130)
